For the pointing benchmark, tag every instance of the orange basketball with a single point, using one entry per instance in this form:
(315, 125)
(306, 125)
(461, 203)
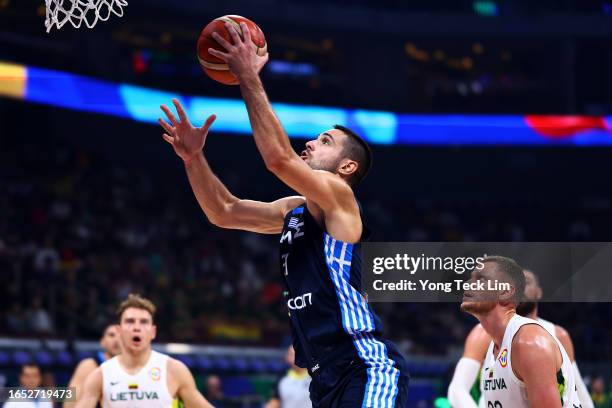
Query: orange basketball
(216, 68)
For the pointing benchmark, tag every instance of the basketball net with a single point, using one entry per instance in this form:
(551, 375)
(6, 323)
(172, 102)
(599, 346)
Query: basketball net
(59, 12)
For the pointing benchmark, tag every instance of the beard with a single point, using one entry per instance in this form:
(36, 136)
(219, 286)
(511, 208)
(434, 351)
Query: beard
(326, 165)
(476, 308)
(526, 308)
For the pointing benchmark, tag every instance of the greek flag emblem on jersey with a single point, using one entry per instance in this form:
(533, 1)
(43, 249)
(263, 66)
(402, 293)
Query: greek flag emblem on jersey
(293, 222)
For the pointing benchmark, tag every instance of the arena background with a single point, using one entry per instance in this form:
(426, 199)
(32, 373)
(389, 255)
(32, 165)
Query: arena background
(94, 205)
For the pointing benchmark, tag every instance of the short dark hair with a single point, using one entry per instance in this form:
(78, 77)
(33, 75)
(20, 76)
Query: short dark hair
(357, 149)
(108, 325)
(513, 270)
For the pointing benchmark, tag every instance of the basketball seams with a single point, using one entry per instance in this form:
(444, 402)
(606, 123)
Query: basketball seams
(213, 65)
(234, 23)
(238, 28)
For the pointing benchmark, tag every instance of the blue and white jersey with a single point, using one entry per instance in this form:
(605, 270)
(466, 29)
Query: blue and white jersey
(331, 321)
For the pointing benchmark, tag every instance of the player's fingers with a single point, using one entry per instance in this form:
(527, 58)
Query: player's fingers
(222, 41)
(234, 33)
(180, 110)
(208, 123)
(168, 138)
(222, 55)
(169, 114)
(246, 33)
(166, 126)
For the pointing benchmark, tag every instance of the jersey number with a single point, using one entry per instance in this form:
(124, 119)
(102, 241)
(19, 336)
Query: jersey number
(285, 256)
(495, 404)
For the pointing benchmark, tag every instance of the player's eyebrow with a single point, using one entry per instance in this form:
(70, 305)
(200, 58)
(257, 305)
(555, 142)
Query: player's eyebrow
(329, 134)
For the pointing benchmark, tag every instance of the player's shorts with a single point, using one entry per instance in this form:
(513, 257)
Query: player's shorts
(352, 384)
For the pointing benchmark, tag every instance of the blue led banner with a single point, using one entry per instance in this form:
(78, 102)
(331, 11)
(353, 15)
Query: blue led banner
(303, 121)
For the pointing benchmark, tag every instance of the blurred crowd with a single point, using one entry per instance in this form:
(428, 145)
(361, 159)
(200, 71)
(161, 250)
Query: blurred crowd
(79, 232)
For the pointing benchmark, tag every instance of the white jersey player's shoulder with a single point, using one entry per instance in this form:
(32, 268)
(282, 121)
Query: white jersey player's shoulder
(548, 326)
(500, 385)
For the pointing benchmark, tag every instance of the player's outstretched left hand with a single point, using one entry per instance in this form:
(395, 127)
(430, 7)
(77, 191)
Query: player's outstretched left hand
(241, 56)
(186, 139)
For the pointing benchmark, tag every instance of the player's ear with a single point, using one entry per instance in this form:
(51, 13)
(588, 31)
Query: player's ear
(347, 167)
(507, 295)
(154, 330)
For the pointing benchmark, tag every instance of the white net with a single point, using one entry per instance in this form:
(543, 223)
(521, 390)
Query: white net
(59, 12)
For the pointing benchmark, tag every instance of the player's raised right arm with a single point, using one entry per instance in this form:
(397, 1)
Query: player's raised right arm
(221, 207)
(92, 390)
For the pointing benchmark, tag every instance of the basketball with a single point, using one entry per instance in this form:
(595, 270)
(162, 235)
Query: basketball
(214, 67)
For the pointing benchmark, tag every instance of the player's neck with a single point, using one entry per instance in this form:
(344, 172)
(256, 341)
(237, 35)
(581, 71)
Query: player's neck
(133, 361)
(534, 314)
(495, 323)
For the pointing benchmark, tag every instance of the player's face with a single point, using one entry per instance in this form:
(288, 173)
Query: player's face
(533, 293)
(110, 340)
(325, 152)
(477, 302)
(30, 377)
(136, 329)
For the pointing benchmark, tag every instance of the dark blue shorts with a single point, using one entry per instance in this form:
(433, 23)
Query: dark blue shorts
(352, 384)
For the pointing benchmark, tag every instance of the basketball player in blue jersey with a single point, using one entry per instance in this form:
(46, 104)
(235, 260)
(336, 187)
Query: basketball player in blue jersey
(111, 346)
(336, 335)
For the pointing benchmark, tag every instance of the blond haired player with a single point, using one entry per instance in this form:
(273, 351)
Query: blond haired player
(140, 377)
(464, 390)
(111, 346)
(525, 366)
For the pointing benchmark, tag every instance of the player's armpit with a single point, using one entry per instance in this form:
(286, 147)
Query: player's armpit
(535, 360)
(92, 390)
(187, 390)
(257, 216)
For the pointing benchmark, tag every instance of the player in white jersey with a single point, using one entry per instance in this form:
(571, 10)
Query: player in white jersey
(140, 377)
(525, 366)
(464, 390)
